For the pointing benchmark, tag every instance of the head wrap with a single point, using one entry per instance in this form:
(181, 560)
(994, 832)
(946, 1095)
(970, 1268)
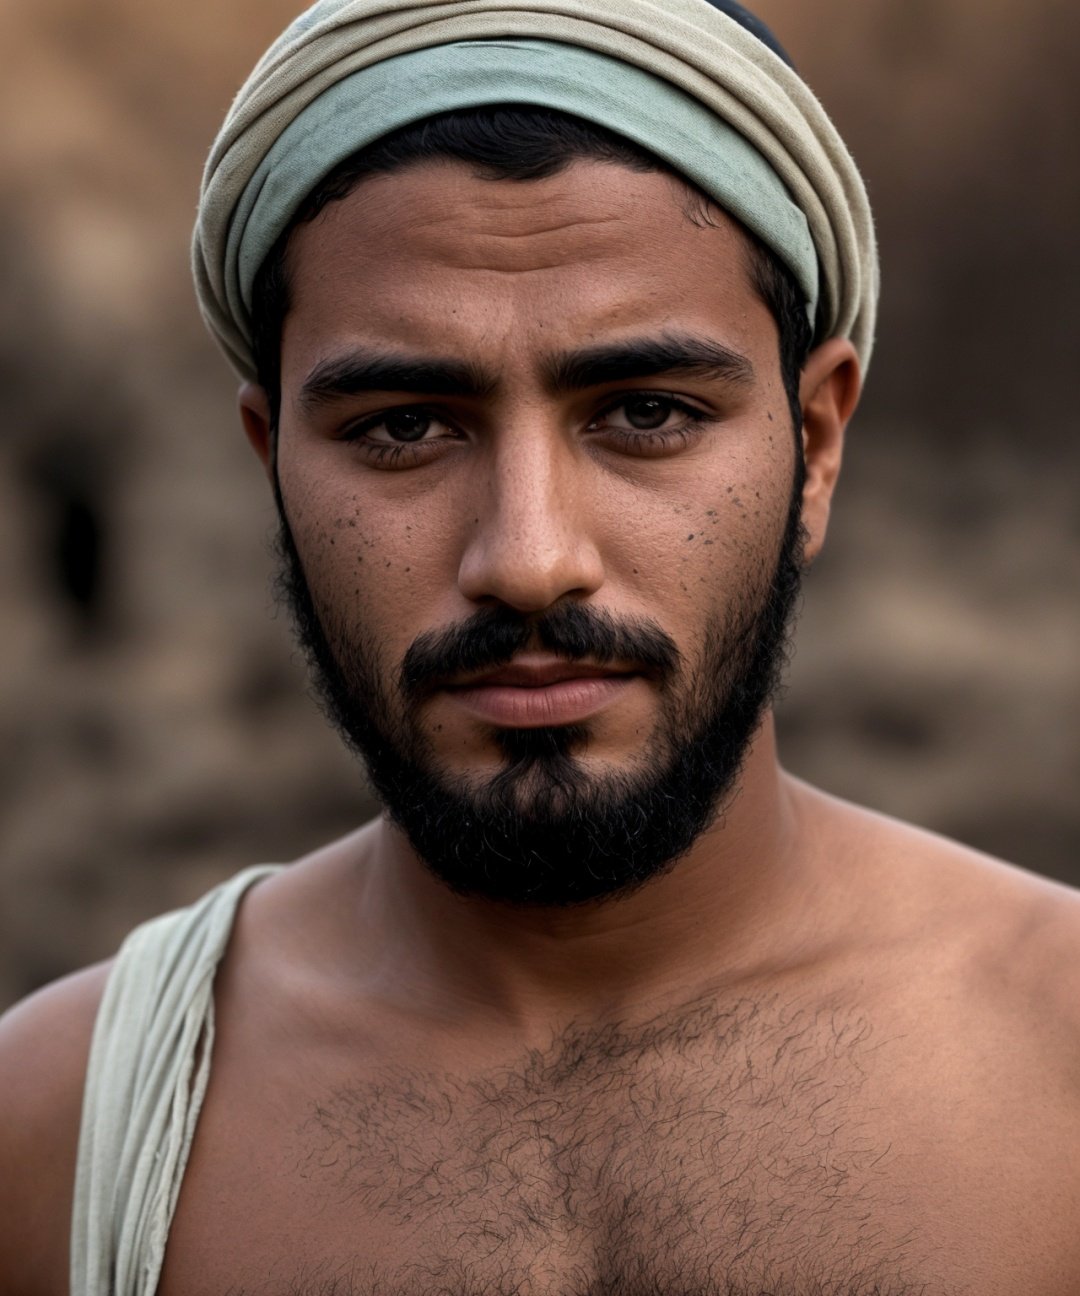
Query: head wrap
(682, 78)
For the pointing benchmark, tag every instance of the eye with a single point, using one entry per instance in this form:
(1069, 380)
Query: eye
(646, 412)
(649, 422)
(397, 427)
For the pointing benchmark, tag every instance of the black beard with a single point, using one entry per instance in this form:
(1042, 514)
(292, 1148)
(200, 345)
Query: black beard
(544, 831)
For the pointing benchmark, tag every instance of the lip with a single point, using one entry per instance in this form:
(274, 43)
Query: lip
(530, 695)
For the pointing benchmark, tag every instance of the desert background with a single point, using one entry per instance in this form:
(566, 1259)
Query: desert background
(155, 730)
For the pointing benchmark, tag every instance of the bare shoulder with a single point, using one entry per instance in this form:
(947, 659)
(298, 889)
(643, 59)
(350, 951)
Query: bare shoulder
(1025, 957)
(1016, 928)
(968, 970)
(998, 936)
(44, 1046)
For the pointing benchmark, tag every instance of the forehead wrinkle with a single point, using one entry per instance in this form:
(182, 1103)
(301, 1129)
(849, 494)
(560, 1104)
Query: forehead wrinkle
(558, 228)
(601, 286)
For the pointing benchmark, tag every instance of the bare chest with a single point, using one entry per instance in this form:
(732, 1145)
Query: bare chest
(738, 1154)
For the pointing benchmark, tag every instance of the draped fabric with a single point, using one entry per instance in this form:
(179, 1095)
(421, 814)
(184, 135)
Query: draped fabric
(306, 101)
(146, 1079)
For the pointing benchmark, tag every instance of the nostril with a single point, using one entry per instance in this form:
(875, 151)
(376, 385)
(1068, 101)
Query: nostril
(528, 572)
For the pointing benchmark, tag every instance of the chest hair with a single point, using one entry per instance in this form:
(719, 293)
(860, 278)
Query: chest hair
(720, 1149)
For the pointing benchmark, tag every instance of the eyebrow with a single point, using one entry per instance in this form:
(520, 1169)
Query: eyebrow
(680, 354)
(364, 371)
(684, 355)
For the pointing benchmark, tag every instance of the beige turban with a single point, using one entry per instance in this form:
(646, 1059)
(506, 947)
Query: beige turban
(681, 78)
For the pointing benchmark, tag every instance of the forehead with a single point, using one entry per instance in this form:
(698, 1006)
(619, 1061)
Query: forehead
(434, 255)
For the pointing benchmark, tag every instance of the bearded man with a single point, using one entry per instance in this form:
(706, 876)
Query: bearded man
(550, 319)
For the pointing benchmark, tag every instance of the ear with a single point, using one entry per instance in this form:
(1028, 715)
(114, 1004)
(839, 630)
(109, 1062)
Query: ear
(255, 415)
(828, 393)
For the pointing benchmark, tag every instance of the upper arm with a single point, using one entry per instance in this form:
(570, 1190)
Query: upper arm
(44, 1046)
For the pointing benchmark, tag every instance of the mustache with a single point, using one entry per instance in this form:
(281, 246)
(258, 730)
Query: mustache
(492, 637)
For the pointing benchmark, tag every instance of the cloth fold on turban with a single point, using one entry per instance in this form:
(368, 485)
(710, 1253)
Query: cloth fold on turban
(679, 77)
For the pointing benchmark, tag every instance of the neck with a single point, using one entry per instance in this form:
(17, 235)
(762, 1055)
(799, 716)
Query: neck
(725, 911)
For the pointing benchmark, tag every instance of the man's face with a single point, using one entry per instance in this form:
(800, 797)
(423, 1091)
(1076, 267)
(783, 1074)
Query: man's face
(538, 427)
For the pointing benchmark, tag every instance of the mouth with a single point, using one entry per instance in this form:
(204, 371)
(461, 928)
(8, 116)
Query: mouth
(531, 693)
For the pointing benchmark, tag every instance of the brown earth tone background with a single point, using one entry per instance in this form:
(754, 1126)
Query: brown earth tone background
(155, 732)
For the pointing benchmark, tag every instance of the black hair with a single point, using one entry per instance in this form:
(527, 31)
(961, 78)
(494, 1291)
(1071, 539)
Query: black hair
(753, 24)
(519, 143)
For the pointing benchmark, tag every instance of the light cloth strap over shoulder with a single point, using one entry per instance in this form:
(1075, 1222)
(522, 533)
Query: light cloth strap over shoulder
(679, 77)
(147, 1074)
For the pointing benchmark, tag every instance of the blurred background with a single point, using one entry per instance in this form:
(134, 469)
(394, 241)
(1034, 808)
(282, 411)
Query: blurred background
(156, 733)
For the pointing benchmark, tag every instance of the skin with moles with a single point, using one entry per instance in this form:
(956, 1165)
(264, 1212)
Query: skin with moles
(520, 501)
(824, 1054)
(525, 505)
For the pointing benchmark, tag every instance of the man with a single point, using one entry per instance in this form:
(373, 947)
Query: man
(550, 321)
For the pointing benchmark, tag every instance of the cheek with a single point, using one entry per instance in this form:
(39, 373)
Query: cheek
(371, 570)
(688, 550)
(353, 563)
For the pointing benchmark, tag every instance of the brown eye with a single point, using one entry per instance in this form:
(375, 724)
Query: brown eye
(407, 425)
(646, 412)
(648, 422)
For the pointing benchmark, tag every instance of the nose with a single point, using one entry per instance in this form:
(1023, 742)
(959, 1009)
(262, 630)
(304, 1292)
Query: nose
(533, 540)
